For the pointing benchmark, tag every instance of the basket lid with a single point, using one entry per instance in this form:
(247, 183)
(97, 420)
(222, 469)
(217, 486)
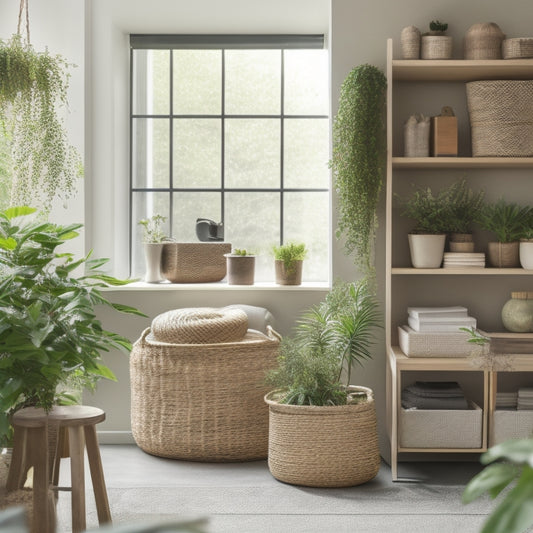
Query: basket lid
(522, 295)
(200, 325)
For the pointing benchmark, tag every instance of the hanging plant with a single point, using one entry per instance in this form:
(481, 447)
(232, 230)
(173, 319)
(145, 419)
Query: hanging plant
(358, 161)
(33, 90)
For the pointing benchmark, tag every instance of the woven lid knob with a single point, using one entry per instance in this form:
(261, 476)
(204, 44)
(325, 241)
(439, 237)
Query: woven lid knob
(522, 295)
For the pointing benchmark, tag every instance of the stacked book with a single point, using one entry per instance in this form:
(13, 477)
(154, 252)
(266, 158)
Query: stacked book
(506, 400)
(439, 319)
(464, 260)
(525, 399)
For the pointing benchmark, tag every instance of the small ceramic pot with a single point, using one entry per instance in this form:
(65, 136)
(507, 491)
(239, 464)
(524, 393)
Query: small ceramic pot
(427, 251)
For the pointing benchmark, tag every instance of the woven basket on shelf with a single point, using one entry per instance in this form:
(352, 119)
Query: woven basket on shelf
(503, 254)
(483, 41)
(323, 446)
(501, 117)
(436, 47)
(517, 48)
(202, 402)
(410, 42)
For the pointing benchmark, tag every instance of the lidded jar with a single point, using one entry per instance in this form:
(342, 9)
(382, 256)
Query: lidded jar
(484, 41)
(517, 313)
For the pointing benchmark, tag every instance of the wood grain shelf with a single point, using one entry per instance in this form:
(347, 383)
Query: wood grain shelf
(470, 271)
(461, 162)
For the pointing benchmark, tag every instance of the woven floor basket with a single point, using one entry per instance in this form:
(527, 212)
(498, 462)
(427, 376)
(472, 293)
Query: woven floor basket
(329, 446)
(202, 402)
(501, 117)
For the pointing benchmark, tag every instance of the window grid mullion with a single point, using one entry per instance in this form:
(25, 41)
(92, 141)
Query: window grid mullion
(171, 144)
(281, 151)
(223, 142)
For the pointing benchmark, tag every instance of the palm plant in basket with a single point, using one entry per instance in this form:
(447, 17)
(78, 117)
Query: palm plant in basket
(314, 410)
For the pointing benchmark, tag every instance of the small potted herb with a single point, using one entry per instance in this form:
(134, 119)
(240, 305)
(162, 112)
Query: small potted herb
(288, 260)
(154, 238)
(240, 266)
(436, 45)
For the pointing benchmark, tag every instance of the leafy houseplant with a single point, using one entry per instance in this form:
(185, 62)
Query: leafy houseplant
(313, 399)
(288, 263)
(33, 89)
(508, 221)
(240, 267)
(49, 332)
(358, 161)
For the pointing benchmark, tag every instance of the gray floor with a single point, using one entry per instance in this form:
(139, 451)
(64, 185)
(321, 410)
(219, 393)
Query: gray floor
(245, 497)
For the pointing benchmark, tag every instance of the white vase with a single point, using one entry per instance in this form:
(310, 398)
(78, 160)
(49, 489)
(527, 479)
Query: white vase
(427, 251)
(526, 254)
(152, 259)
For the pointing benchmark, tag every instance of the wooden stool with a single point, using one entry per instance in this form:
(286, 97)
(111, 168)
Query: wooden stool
(78, 422)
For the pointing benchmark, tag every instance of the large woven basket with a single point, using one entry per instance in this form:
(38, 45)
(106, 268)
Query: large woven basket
(202, 402)
(323, 446)
(501, 117)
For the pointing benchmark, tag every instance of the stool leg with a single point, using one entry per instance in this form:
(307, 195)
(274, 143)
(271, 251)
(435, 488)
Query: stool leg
(19, 464)
(61, 438)
(97, 475)
(76, 448)
(43, 512)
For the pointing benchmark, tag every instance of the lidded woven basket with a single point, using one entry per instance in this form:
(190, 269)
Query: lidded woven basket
(197, 386)
(483, 41)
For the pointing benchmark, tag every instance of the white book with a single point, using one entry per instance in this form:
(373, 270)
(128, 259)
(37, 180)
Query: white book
(419, 312)
(465, 322)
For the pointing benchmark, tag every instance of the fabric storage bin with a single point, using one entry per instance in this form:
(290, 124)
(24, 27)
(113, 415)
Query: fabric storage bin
(201, 400)
(439, 344)
(510, 424)
(501, 117)
(439, 428)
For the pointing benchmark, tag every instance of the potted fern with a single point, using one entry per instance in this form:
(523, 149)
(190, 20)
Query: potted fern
(314, 411)
(288, 261)
(507, 221)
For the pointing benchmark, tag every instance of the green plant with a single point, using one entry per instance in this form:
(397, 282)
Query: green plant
(437, 26)
(508, 463)
(33, 89)
(289, 253)
(464, 206)
(328, 340)
(241, 251)
(152, 229)
(507, 220)
(49, 331)
(358, 161)
(430, 211)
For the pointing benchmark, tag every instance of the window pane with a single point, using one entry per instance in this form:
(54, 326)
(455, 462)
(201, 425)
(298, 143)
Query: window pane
(197, 153)
(252, 222)
(306, 153)
(252, 156)
(253, 82)
(151, 86)
(145, 205)
(188, 206)
(150, 152)
(197, 82)
(306, 219)
(306, 82)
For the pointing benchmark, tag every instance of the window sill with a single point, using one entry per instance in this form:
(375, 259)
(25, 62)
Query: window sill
(221, 286)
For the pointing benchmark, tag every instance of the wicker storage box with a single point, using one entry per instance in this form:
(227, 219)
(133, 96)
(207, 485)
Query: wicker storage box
(423, 344)
(194, 262)
(202, 402)
(501, 117)
(436, 428)
(518, 48)
(510, 425)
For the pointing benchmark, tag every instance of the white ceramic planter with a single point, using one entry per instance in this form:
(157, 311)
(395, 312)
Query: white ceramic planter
(152, 258)
(427, 251)
(526, 254)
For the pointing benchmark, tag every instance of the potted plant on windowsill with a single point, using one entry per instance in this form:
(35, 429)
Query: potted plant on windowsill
(49, 332)
(153, 240)
(508, 221)
(288, 263)
(322, 429)
(428, 238)
(240, 267)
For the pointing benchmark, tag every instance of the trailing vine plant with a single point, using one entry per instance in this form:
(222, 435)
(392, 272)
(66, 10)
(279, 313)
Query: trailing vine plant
(33, 91)
(358, 161)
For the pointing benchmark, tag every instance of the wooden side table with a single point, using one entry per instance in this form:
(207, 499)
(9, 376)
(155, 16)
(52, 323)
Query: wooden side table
(78, 422)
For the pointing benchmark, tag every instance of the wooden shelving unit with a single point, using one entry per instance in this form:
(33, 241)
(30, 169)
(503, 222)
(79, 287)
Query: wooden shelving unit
(400, 278)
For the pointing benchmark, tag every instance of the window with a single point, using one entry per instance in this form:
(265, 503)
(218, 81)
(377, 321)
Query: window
(233, 129)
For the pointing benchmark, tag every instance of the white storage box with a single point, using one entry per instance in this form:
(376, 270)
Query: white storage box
(511, 424)
(440, 344)
(436, 428)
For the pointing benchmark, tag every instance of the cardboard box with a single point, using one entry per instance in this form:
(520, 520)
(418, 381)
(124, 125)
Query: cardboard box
(443, 136)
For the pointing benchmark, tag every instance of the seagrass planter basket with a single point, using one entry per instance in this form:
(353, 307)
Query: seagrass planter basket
(202, 401)
(323, 446)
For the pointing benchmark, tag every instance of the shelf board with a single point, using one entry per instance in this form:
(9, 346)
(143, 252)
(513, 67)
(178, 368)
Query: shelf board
(432, 363)
(461, 69)
(462, 162)
(470, 271)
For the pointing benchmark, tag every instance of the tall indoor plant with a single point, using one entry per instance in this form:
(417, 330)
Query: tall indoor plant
(49, 332)
(358, 161)
(322, 429)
